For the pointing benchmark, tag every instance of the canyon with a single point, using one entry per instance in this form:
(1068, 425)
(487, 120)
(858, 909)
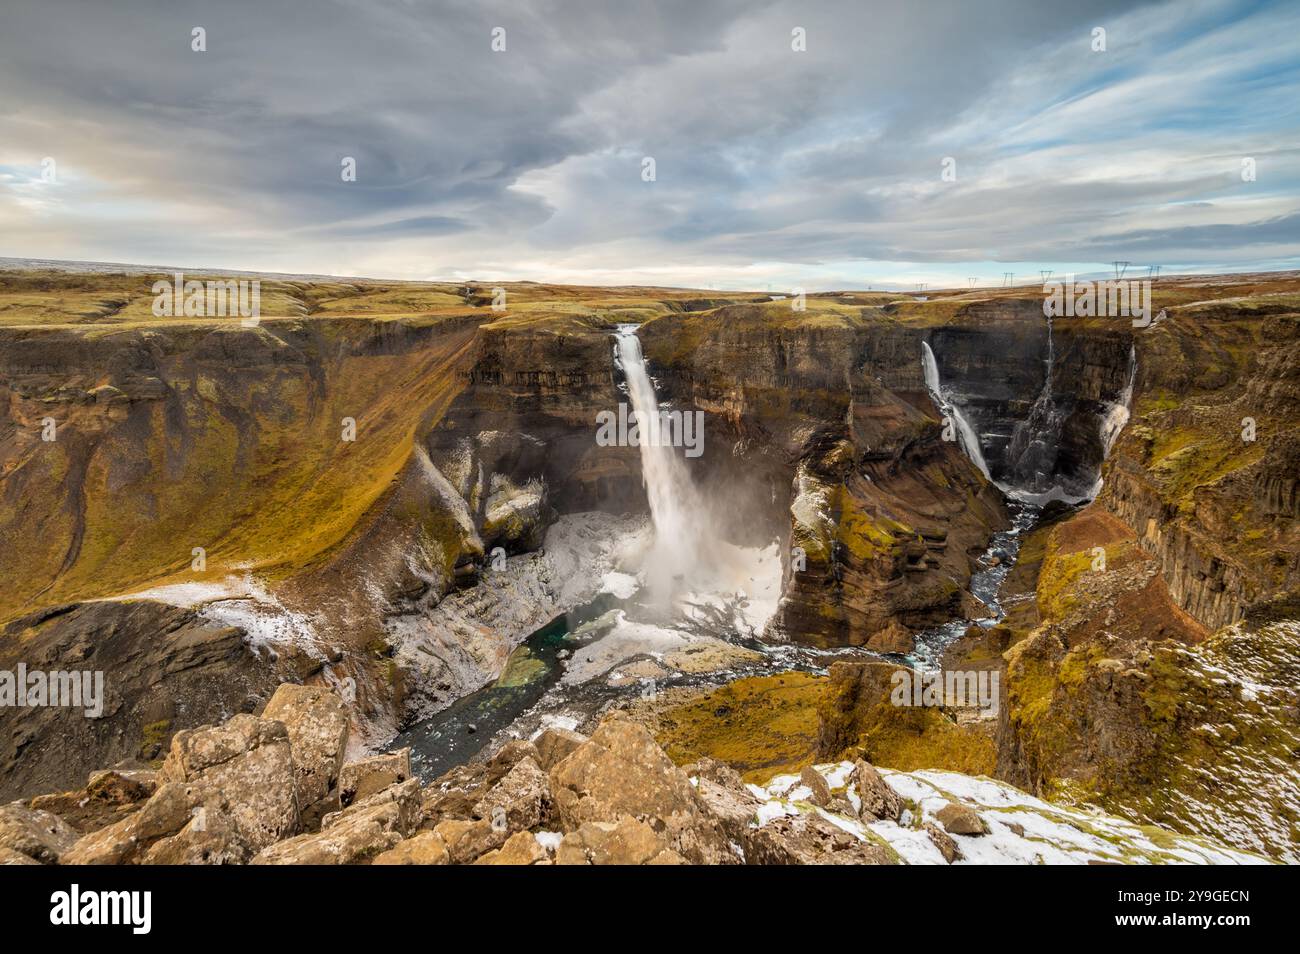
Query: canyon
(392, 494)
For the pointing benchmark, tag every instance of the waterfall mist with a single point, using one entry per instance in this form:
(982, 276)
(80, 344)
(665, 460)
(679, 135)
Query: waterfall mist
(683, 527)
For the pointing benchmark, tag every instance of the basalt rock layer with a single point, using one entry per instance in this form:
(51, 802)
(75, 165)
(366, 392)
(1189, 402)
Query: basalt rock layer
(210, 469)
(1157, 678)
(885, 514)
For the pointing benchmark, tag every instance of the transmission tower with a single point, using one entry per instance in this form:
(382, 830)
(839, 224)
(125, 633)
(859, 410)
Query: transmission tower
(972, 281)
(1120, 269)
(1008, 279)
(1046, 273)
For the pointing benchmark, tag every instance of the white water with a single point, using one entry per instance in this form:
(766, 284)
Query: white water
(1112, 423)
(969, 440)
(1119, 412)
(683, 528)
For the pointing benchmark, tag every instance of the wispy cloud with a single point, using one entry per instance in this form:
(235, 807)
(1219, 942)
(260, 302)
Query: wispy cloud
(772, 166)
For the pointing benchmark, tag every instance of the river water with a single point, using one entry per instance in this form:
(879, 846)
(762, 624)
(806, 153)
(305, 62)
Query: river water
(690, 589)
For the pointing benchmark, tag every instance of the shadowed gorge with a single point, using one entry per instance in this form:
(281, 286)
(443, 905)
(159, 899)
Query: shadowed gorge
(396, 497)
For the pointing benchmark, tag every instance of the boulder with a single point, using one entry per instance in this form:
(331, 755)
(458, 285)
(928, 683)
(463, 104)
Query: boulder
(244, 770)
(454, 795)
(813, 780)
(520, 800)
(405, 795)
(205, 840)
(10, 857)
(425, 848)
(108, 795)
(619, 771)
(733, 807)
(507, 757)
(41, 836)
(360, 833)
(809, 839)
(521, 848)
(554, 744)
(166, 812)
(318, 735)
(943, 841)
(961, 820)
(358, 780)
(625, 842)
(468, 840)
(878, 800)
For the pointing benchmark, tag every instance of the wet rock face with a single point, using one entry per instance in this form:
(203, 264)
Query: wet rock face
(1035, 436)
(829, 422)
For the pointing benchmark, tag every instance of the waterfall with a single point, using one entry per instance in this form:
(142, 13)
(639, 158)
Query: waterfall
(683, 529)
(1029, 468)
(966, 436)
(1118, 414)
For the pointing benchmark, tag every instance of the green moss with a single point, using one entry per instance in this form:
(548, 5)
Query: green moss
(863, 535)
(153, 739)
(920, 737)
(761, 726)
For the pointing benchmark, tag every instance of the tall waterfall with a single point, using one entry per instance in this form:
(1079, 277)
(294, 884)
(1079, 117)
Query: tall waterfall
(1118, 414)
(683, 529)
(966, 436)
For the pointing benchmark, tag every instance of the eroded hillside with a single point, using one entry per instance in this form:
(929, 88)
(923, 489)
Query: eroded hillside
(402, 568)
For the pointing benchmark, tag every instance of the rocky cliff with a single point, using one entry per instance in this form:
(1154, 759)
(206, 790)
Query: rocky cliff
(275, 790)
(383, 489)
(1155, 678)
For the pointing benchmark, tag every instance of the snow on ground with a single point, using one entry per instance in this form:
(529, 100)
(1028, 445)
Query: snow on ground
(1022, 829)
(240, 601)
(624, 639)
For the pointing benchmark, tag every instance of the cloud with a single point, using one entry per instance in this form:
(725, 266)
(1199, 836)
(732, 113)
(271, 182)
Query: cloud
(773, 165)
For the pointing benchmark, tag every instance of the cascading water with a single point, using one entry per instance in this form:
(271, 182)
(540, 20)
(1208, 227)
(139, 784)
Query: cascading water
(1038, 465)
(1118, 414)
(1031, 457)
(966, 435)
(682, 525)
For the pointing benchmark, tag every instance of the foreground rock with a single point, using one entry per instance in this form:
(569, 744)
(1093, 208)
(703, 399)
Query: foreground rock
(230, 794)
(318, 733)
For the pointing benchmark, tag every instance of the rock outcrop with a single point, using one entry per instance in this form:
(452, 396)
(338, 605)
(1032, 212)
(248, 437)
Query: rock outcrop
(827, 417)
(228, 794)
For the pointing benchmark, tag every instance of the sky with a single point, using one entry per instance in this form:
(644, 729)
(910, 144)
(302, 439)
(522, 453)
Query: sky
(831, 145)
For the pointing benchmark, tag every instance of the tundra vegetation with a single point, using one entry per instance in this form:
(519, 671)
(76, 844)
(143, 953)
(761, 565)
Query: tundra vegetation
(283, 543)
